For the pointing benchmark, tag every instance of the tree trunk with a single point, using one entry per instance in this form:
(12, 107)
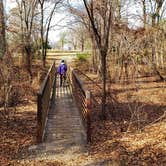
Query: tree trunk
(42, 35)
(103, 73)
(43, 58)
(154, 65)
(93, 59)
(159, 6)
(82, 45)
(22, 32)
(2, 31)
(28, 60)
(162, 57)
(75, 46)
(94, 55)
(144, 13)
(119, 10)
(102, 37)
(153, 20)
(62, 45)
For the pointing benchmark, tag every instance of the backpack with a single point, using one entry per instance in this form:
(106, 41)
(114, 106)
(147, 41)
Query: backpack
(62, 68)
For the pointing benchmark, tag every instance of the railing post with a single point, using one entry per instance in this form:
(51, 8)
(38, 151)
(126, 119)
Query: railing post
(73, 82)
(39, 118)
(88, 114)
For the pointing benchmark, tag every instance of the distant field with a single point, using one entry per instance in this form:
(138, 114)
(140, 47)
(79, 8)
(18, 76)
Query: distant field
(56, 55)
(60, 53)
(65, 51)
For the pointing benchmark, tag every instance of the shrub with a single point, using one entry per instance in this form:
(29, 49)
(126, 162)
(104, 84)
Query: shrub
(82, 56)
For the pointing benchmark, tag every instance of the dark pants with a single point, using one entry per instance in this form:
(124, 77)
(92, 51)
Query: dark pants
(62, 79)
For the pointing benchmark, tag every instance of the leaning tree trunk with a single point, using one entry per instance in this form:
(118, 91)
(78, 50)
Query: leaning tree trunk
(94, 56)
(42, 35)
(2, 30)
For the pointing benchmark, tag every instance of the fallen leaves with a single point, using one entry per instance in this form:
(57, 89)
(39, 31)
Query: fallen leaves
(19, 134)
(146, 146)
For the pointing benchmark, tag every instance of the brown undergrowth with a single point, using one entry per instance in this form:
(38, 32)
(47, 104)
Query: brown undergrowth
(18, 129)
(133, 134)
(135, 130)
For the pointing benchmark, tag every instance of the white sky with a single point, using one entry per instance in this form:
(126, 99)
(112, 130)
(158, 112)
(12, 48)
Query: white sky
(59, 19)
(62, 19)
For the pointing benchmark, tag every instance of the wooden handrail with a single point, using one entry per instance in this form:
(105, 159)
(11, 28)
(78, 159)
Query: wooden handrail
(110, 97)
(83, 98)
(43, 102)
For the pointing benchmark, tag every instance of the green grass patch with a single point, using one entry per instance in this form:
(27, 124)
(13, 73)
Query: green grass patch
(82, 56)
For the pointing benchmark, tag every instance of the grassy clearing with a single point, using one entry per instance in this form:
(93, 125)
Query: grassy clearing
(82, 56)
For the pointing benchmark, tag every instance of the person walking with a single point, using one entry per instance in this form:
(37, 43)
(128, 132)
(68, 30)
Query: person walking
(62, 69)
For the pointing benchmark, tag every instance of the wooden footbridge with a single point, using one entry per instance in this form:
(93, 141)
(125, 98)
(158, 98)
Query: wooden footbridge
(63, 115)
(64, 118)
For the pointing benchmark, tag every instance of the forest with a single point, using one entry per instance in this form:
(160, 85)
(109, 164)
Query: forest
(115, 51)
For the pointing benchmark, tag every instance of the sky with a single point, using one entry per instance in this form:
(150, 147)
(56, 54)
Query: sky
(9, 4)
(62, 18)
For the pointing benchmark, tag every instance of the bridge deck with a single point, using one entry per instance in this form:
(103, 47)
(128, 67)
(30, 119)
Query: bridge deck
(65, 138)
(64, 128)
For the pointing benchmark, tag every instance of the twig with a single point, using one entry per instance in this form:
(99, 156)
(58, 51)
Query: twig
(159, 119)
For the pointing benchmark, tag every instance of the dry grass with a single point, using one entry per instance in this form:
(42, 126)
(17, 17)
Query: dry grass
(136, 134)
(114, 143)
(18, 131)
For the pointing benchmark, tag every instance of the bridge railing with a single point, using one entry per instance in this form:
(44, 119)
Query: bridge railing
(43, 102)
(83, 99)
(96, 91)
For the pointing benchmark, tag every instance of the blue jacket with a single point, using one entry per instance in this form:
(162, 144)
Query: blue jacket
(62, 68)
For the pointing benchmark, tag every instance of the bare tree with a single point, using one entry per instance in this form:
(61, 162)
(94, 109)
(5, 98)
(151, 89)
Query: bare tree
(100, 16)
(23, 26)
(21, 16)
(45, 25)
(2, 30)
(156, 10)
(78, 36)
(144, 12)
(29, 8)
(62, 39)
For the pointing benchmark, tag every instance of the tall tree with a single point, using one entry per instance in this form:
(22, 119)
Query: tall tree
(24, 25)
(100, 16)
(81, 17)
(144, 12)
(156, 10)
(21, 16)
(45, 23)
(78, 37)
(2, 30)
(62, 40)
(29, 8)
